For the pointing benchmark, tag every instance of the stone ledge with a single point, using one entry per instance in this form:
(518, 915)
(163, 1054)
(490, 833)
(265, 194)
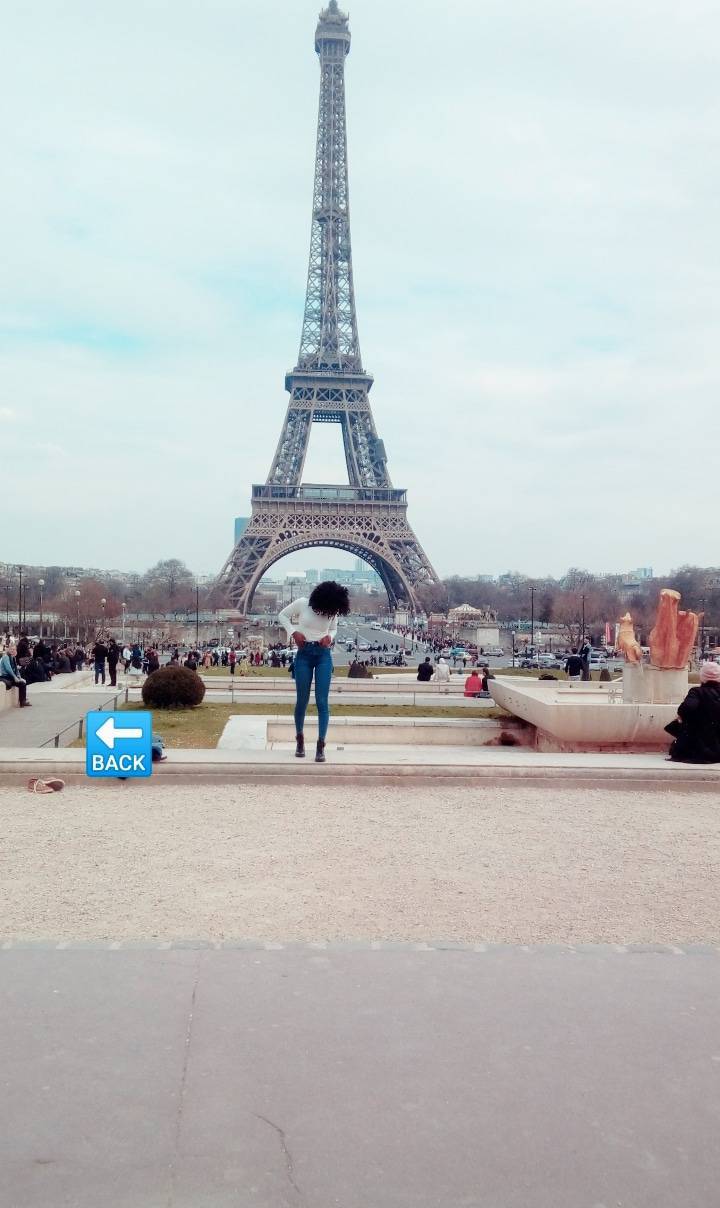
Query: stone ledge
(386, 764)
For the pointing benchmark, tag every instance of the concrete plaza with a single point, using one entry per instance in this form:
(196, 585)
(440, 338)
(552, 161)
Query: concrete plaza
(315, 1077)
(409, 996)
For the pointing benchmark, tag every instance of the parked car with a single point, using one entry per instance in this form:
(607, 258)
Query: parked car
(493, 652)
(549, 660)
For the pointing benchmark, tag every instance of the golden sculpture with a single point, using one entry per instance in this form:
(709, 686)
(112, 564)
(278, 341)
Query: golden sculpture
(674, 635)
(627, 643)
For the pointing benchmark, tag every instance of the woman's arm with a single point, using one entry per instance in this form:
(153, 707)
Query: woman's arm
(285, 617)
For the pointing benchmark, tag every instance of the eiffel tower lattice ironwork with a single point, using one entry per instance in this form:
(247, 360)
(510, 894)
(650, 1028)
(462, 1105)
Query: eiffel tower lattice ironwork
(368, 517)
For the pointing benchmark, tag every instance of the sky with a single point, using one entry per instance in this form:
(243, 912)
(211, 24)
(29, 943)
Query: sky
(534, 198)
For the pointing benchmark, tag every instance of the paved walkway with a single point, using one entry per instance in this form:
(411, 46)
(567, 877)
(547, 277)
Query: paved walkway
(306, 1078)
(54, 706)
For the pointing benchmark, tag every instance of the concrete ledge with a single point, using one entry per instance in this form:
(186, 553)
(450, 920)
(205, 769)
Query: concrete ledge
(339, 685)
(224, 695)
(411, 731)
(9, 698)
(494, 765)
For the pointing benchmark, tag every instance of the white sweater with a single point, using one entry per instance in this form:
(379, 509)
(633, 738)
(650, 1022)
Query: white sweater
(301, 618)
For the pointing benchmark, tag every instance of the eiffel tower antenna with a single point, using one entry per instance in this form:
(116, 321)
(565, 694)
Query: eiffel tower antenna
(368, 517)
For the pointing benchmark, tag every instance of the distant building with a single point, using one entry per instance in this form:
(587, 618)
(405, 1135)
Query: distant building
(241, 523)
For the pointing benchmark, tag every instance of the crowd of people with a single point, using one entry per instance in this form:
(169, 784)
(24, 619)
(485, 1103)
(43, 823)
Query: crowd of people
(696, 731)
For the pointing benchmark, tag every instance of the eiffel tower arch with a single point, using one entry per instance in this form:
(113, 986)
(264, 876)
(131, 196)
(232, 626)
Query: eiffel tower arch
(368, 516)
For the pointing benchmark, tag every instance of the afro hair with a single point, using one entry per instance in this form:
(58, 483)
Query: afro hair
(330, 599)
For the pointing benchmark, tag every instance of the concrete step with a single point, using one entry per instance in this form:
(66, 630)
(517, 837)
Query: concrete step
(411, 731)
(340, 684)
(222, 696)
(381, 764)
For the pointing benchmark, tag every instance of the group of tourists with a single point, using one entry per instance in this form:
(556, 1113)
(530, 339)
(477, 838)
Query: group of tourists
(311, 623)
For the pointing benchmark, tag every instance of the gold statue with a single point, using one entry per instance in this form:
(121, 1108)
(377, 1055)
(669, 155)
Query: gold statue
(627, 642)
(674, 635)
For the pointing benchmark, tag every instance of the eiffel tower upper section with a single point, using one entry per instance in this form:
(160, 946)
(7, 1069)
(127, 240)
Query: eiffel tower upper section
(328, 383)
(329, 341)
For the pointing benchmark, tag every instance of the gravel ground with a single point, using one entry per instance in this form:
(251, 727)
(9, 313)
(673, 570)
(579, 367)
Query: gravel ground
(511, 864)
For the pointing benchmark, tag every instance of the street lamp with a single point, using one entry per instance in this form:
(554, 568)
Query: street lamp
(77, 600)
(124, 610)
(532, 619)
(20, 571)
(41, 584)
(702, 630)
(103, 602)
(582, 636)
(197, 616)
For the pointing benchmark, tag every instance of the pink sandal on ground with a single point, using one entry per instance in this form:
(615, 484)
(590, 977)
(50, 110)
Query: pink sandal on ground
(36, 785)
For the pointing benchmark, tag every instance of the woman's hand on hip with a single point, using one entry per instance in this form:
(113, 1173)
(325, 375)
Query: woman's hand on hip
(298, 639)
(326, 641)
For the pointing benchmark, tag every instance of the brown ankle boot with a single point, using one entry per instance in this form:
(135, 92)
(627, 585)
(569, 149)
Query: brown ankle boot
(299, 746)
(320, 752)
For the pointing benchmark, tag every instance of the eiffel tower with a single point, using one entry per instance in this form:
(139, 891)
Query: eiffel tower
(367, 517)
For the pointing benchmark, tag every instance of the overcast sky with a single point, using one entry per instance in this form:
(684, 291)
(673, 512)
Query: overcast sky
(536, 244)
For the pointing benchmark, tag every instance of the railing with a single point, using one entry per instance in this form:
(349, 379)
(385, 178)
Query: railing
(55, 740)
(314, 494)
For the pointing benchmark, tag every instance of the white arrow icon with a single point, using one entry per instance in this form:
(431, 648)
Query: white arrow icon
(108, 734)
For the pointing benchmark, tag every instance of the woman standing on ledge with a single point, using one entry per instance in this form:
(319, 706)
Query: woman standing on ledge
(312, 623)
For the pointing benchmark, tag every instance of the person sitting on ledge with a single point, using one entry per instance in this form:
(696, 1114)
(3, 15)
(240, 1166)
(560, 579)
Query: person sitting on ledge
(442, 673)
(358, 670)
(425, 671)
(10, 677)
(474, 685)
(697, 730)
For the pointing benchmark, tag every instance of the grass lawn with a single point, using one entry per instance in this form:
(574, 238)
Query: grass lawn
(203, 726)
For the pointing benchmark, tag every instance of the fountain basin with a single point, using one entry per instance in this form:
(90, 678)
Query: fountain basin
(590, 716)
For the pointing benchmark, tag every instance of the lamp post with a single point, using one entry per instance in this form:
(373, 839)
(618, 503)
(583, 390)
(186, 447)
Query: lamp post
(124, 610)
(582, 636)
(197, 616)
(24, 608)
(103, 602)
(20, 571)
(77, 601)
(7, 607)
(41, 584)
(532, 619)
(702, 630)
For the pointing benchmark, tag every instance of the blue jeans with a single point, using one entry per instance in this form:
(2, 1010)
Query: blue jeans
(100, 671)
(312, 657)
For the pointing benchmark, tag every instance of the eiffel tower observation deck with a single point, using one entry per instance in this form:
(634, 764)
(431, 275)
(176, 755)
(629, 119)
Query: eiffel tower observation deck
(367, 516)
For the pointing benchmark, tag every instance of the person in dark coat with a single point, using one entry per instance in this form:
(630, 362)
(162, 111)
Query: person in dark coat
(425, 671)
(113, 658)
(99, 653)
(697, 733)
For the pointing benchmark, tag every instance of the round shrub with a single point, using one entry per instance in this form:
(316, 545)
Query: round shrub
(173, 688)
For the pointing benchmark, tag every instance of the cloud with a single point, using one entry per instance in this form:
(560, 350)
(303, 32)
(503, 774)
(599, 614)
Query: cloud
(535, 244)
